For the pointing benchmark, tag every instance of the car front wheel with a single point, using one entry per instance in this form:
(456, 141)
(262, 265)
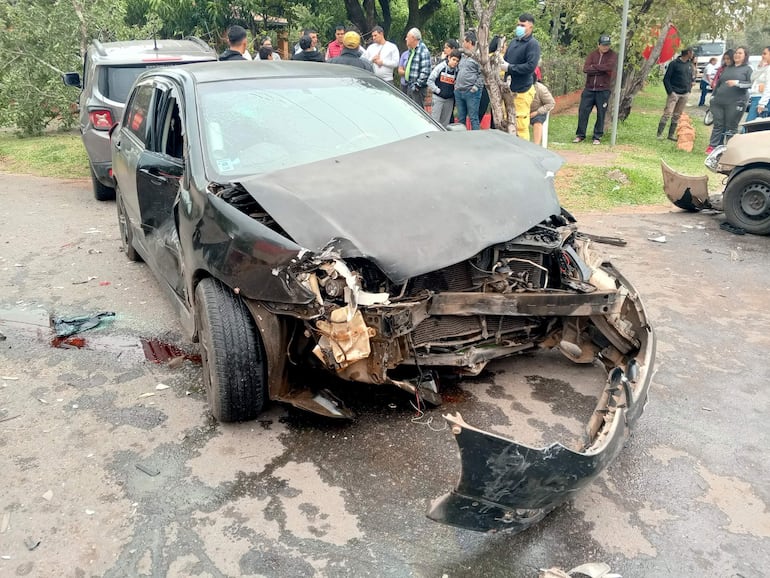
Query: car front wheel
(101, 192)
(234, 366)
(747, 201)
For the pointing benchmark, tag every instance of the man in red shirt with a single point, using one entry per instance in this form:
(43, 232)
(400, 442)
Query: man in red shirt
(335, 46)
(600, 70)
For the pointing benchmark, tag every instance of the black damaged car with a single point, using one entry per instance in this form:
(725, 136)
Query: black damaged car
(311, 216)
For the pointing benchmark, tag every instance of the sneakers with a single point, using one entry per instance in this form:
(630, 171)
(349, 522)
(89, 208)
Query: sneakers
(709, 149)
(578, 139)
(597, 141)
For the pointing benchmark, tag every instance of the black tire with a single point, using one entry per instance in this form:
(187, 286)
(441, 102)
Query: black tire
(126, 234)
(234, 366)
(708, 118)
(101, 192)
(746, 201)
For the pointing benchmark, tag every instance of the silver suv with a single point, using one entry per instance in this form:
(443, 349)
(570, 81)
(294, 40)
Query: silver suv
(109, 71)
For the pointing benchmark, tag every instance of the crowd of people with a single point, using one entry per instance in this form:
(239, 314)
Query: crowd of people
(456, 82)
(736, 89)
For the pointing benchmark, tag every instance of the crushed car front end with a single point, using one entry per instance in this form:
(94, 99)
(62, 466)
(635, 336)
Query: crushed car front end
(396, 281)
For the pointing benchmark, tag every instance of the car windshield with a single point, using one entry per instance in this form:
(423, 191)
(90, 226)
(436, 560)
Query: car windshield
(710, 49)
(261, 125)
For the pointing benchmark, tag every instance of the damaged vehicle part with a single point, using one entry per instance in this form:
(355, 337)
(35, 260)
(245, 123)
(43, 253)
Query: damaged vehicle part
(283, 257)
(745, 199)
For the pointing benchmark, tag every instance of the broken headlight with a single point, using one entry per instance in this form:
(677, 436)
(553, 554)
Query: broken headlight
(712, 161)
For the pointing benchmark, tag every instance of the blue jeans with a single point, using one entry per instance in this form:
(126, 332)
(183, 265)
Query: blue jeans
(468, 105)
(753, 108)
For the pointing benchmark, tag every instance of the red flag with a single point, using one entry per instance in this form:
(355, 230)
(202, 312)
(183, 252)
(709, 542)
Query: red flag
(670, 45)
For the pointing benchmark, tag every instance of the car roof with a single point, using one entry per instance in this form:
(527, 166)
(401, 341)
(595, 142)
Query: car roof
(206, 72)
(152, 51)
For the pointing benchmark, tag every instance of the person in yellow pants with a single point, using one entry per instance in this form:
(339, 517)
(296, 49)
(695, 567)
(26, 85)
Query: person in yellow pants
(521, 59)
(522, 101)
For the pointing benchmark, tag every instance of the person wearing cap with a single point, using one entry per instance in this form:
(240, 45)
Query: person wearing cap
(383, 55)
(678, 84)
(521, 59)
(599, 69)
(351, 55)
(307, 52)
(334, 49)
(236, 40)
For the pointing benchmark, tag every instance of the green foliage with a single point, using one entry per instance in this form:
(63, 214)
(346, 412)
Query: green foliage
(39, 40)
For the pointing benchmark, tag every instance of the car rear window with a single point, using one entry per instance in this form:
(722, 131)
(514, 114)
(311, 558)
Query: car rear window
(261, 125)
(115, 81)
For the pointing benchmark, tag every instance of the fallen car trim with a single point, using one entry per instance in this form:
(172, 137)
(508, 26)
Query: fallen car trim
(508, 486)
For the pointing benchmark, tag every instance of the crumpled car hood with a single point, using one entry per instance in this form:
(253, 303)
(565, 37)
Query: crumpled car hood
(416, 205)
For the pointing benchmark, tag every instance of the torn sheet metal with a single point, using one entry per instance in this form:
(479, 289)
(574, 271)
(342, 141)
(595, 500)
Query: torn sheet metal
(343, 198)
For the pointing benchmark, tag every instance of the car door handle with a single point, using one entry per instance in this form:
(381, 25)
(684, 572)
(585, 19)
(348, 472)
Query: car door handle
(117, 145)
(154, 179)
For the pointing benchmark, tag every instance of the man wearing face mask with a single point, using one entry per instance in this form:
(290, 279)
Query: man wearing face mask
(521, 59)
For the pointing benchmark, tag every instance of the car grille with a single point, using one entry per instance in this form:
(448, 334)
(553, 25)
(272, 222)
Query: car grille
(447, 328)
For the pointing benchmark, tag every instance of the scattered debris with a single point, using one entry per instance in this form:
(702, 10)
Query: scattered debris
(176, 362)
(619, 176)
(591, 569)
(148, 394)
(704, 408)
(725, 226)
(90, 512)
(8, 378)
(617, 241)
(2, 337)
(83, 282)
(31, 543)
(147, 470)
(48, 496)
(5, 557)
(41, 400)
(161, 386)
(64, 327)
(5, 523)
(9, 418)
(660, 239)
(104, 283)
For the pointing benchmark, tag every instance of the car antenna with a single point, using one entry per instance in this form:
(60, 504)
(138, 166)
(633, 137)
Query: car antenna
(155, 40)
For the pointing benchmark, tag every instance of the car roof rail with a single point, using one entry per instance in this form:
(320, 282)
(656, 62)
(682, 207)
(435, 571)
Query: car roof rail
(199, 42)
(100, 48)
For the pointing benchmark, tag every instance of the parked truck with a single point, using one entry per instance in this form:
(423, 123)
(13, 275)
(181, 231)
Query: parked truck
(705, 50)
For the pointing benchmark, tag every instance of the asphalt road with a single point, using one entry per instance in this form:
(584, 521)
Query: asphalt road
(99, 479)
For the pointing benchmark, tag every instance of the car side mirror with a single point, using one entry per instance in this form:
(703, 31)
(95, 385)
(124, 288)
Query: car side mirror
(71, 79)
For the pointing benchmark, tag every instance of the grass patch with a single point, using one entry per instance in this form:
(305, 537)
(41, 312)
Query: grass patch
(53, 155)
(628, 174)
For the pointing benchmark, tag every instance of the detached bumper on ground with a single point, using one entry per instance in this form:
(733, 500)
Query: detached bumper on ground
(508, 486)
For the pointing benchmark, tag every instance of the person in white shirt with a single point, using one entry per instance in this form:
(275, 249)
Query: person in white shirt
(709, 72)
(382, 54)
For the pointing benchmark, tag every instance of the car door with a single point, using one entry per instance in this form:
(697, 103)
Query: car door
(159, 170)
(128, 144)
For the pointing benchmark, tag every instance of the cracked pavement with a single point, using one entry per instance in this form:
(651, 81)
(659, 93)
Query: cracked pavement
(114, 482)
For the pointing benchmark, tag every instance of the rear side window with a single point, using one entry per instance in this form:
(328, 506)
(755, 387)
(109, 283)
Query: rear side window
(138, 110)
(115, 81)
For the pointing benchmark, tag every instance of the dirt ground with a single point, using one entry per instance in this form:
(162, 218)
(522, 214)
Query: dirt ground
(110, 464)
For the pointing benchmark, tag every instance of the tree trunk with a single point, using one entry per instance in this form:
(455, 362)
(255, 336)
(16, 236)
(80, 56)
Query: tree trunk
(500, 95)
(419, 15)
(634, 77)
(83, 36)
(387, 18)
(461, 9)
